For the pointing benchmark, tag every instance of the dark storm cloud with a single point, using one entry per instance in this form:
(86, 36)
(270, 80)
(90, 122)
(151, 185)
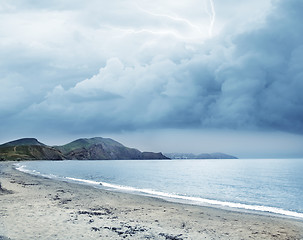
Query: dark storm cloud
(260, 84)
(238, 80)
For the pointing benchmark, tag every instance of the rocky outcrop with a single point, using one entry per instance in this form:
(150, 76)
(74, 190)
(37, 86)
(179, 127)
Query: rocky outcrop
(152, 155)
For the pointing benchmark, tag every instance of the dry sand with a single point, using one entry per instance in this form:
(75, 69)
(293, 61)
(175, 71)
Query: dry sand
(38, 208)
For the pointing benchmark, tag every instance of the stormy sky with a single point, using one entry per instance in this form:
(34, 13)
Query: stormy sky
(190, 75)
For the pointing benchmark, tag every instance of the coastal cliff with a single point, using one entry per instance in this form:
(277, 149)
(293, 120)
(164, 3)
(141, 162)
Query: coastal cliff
(103, 148)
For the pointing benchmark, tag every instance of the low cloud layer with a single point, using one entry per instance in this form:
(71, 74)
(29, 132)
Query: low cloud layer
(242, 78)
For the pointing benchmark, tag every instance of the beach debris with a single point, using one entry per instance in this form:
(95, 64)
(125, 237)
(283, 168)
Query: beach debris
(24, 184)
(126, 230)
(99, 212)
(56, 197)
(95, 229)
(4, 238)
(91, 213)
(65, 201)
(171, 237)
(4, 191)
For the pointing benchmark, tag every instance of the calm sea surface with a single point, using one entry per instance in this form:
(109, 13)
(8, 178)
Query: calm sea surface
(268, 185)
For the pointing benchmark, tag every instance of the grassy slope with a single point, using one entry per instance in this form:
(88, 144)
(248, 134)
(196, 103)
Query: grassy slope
(12, 153)
(31, 152)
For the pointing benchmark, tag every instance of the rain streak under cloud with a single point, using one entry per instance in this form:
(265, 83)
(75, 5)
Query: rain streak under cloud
(77, 67)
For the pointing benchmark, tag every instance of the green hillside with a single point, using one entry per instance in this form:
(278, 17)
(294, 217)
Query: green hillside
(31, 152)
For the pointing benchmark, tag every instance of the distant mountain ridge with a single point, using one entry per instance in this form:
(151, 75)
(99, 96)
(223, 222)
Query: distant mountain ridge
(23, 142)
(199, 156)
(97, 148)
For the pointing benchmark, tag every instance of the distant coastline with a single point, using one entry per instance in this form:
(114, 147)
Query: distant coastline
(199, 156)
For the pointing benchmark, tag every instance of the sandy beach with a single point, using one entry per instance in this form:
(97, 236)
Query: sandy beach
(33, 207)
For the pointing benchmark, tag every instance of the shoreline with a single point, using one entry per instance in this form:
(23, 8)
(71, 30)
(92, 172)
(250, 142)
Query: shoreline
(42, 208)
(196, 201)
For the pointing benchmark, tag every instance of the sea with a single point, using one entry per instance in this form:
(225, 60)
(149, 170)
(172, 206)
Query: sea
(260, 185)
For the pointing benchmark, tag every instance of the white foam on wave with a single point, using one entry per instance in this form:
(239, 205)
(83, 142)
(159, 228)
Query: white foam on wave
(194, 200)
(83, 180)
(22, 168)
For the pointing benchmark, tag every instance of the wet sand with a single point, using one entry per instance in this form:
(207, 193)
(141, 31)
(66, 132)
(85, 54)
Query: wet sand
(34, 207)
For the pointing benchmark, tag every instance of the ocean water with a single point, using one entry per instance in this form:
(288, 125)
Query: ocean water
(264, 185)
